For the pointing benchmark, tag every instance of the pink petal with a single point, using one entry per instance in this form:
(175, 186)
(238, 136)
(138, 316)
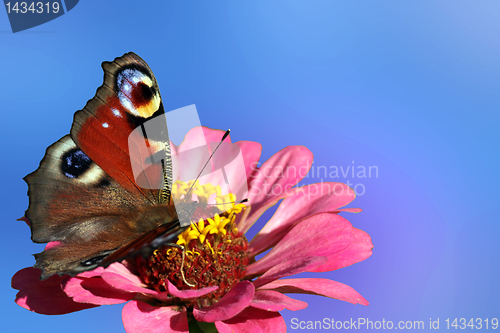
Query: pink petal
(274, 180)
(45, 297)
(235, 174)
(316, 286)
(360, 249)
(232, 303)
(227, 169)
(251, 154)
(275, 301)
(349, 210)
(119, 277)
(324, 234)
(236, 171)
(123, 271)
(228, 166)
(52, 245)
(289, 267)
(88, 274)
(190, 293)
(252, 320)
(307, 200)
(132, 285)
(188, 160)
(117, 267)
(139, 317)
(94, 291)
(201, 135)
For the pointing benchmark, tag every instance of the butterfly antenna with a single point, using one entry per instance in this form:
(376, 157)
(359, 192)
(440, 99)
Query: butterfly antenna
(208, 160)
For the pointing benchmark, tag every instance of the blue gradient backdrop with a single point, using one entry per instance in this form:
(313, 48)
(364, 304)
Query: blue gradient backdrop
(411, 87)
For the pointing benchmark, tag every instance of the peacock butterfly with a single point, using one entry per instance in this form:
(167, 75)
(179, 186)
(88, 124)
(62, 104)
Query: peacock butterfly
(103, 192)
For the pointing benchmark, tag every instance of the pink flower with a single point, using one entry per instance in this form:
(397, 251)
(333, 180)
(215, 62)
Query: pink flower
(306, 234)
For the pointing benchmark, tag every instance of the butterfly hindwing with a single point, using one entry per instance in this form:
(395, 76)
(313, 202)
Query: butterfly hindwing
(73, 201)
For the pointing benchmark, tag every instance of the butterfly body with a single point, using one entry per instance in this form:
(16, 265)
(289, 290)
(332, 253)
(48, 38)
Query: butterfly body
(85, 195)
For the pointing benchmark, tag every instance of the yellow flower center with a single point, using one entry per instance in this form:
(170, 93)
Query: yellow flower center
(215, 251)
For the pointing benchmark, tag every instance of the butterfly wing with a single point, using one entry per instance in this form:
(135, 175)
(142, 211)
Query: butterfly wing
(128, 98)
(85, 194)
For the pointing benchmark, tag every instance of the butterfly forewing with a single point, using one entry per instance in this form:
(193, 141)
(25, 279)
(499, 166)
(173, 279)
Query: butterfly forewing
(128, 98)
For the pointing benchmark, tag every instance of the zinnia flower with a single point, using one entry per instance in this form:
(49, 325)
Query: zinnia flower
(234, 292)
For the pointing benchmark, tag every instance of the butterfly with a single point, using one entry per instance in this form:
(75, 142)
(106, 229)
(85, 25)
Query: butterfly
(86, 194)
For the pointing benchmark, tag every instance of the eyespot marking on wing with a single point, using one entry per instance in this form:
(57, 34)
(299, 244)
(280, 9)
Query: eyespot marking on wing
(137, 93)
(75, 164)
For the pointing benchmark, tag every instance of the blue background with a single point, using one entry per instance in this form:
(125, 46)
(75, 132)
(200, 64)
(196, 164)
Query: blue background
(411, 87)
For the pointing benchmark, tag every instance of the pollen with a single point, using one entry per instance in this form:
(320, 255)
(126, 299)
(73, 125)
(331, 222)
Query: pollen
(216, 253)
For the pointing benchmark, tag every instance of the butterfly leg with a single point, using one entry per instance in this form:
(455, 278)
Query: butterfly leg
(182, 263)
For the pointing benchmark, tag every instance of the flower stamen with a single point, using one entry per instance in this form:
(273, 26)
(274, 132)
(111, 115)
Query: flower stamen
(209, 252)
